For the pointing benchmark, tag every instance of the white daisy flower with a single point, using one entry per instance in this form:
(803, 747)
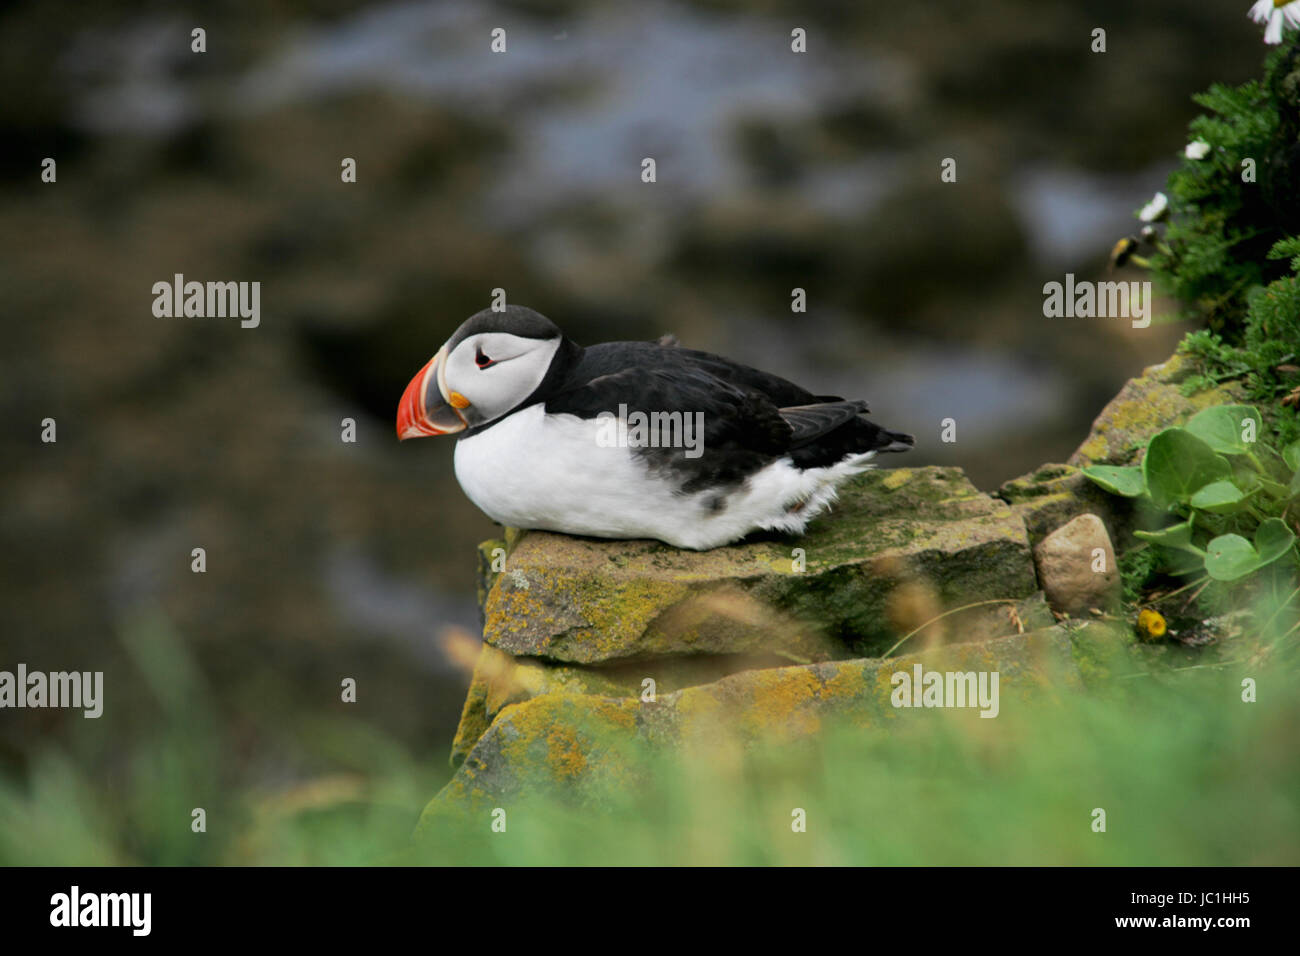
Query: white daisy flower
(1197, 150)
(1277, 14)
(1156, 209)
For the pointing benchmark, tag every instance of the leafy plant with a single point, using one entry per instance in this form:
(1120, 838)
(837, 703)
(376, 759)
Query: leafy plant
(1230, 205)
(1230, 251)
(1230, 494)
(1267, 359)
(1136, 567)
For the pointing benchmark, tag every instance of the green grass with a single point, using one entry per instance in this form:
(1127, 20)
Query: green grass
(1186, 772)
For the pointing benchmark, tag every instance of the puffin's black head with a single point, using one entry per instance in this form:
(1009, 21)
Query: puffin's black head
(494, 363)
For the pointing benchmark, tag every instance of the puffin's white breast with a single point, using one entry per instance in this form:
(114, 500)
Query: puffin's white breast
(533, 470)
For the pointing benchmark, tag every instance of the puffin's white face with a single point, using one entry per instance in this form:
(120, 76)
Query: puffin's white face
(496, 371)
(480, 379)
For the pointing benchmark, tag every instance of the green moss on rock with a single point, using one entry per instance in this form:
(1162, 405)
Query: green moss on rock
(583, 746)
(1145, 405)
(817, 597)
(500, 680)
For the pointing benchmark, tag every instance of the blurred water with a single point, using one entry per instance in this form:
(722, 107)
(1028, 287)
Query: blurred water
(383, 607)
(915, 388)
(1070, 213)
(655, 79)
(585, 99)
(585, 103)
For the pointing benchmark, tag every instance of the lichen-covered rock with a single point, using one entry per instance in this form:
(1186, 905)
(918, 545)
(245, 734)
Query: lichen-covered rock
(818, 597)
(474, 719)
(1145, 405)
(1076, 567)
(1103, 650)
(491, 555)
(581, 745)
(500, 679)
(1055, 494)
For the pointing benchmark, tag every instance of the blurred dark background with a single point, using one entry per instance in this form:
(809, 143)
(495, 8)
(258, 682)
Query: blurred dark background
(328, 560)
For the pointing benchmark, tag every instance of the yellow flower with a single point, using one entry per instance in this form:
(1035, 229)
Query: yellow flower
(1151, 625)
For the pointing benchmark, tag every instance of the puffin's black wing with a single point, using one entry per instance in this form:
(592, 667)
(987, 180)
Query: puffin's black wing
(732, 432)
(749, 417)
(812, 421)
(825, 429)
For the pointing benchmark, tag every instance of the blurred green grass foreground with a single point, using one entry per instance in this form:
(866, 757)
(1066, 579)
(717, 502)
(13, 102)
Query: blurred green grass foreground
(1185, 770)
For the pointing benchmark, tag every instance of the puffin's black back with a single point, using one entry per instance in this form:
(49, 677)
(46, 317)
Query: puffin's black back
(744, 429)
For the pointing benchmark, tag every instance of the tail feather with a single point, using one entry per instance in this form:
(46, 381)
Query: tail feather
(857, 436)
(896, 441)
(809, 422)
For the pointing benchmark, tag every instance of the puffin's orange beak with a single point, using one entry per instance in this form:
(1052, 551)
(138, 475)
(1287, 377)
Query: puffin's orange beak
(426, 408)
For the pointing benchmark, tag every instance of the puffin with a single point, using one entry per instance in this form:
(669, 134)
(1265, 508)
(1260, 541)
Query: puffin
(633, 439)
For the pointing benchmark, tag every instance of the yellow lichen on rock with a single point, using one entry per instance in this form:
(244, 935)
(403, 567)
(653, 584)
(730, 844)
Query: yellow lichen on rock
(583, 743)
(1145, 405)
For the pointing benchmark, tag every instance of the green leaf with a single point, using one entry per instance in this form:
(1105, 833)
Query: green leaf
(1273, 488)
(1219, 497)
(1291, 455)
(1178, 464)
(1272, 540)
(1127, 481)
(1222, 428)
(1175, 536)
(1230, 556)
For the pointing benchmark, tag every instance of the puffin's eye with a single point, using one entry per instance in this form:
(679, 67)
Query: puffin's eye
(481, 360)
